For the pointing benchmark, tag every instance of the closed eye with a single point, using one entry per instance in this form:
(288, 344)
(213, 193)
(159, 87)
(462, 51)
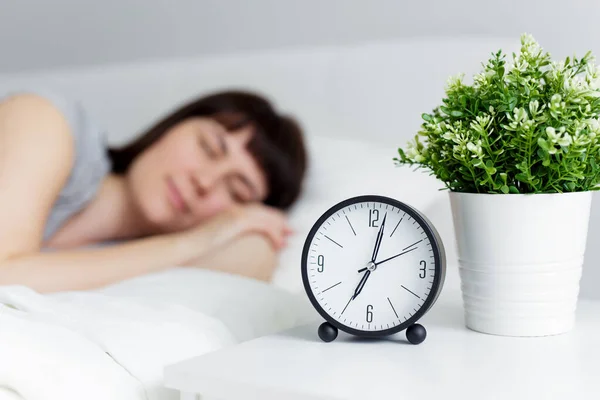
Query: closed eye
(207, 148)
(239, 191)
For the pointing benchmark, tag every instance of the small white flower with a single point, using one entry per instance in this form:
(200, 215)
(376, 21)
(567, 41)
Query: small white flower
(555, 99)
(475, 149)
(454, 82)
(565, 140)
(413, 154)
(552, 135)
(534, 105)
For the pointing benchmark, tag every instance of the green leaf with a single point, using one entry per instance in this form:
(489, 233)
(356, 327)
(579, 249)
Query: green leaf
(478, 163)
(505, 189)
(543, 144)
(521, 177)
(426, 117)
(456, 113)
(513, 189)
(446, 110)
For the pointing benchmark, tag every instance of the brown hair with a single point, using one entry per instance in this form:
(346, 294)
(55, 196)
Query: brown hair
(277, 143)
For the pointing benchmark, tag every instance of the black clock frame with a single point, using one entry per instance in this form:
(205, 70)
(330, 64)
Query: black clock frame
(438, 253)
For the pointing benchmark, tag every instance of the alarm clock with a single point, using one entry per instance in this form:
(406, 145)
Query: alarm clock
(372, 266)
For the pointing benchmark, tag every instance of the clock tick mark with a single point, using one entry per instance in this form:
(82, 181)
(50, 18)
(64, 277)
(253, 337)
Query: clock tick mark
(396, 227)
(392, 308)
(334, 241)
(410, 291)
(351, 227)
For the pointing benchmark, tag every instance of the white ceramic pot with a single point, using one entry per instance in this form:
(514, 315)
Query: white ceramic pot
(520, 259)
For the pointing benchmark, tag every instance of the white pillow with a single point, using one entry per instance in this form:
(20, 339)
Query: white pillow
(342, 168)
(248, 308)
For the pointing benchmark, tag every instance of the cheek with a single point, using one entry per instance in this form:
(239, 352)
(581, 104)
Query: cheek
(213, 203)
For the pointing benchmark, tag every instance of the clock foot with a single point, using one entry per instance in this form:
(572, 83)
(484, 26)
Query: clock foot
(416, 333)
(327, 332)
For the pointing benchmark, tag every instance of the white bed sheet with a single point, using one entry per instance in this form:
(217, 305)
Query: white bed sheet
(113, 343)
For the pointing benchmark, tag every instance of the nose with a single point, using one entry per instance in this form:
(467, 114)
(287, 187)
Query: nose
(204, 182)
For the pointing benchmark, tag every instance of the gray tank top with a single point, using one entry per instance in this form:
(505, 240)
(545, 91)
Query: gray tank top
(91, 164)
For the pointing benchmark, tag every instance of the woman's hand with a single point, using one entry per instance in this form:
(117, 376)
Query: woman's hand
(250, 218)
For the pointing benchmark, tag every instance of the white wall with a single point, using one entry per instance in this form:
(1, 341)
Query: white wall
(40, 34)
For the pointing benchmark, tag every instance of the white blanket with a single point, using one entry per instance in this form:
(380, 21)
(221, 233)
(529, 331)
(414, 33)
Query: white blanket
(94, 346)
(114, 343)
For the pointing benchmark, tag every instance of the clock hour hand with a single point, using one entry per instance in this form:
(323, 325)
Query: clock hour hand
(361, 284)
(378, 239)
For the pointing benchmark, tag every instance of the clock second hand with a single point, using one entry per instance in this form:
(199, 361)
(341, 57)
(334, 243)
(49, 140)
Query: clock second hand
(388, 259)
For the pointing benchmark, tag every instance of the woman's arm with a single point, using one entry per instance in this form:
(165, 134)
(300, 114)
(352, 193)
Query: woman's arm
(251, 255)
(91, 268)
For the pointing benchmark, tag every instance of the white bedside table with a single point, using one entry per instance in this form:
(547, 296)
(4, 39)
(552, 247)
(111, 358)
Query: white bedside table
(453, 363)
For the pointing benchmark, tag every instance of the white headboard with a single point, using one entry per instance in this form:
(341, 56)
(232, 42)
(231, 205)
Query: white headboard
(375, 90)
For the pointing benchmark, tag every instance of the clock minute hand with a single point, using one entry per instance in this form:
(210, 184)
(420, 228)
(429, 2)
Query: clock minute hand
(378, 239)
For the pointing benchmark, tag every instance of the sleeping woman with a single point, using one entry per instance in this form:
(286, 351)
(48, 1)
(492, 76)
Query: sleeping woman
(207, 186)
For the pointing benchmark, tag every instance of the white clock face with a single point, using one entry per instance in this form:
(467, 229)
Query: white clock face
(339, 256)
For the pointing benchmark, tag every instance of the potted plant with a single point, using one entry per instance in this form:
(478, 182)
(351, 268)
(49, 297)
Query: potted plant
(519, 151)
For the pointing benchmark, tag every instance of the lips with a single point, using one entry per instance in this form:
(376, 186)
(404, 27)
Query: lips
(175, 197)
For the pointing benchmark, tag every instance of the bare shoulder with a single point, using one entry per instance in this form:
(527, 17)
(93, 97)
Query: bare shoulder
(36, 157)
(31, 110)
